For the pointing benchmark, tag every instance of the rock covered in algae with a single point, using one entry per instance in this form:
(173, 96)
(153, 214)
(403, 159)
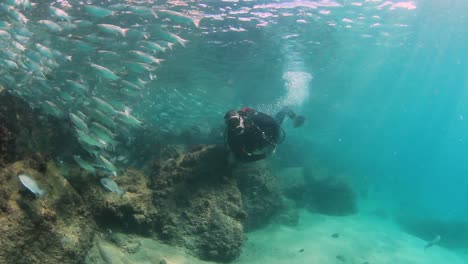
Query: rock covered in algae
(24, 131)
(329, 194)
(7, 144)
(199, 204)
(261, 195)
(7, 139)
(293, 184)
(133, 212)
(53, 229)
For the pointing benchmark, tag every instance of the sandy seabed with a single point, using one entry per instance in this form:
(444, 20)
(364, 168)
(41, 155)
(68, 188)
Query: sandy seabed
(358, 239)
(318, 239)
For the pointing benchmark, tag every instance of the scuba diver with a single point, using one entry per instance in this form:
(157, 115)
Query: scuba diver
(252, 135)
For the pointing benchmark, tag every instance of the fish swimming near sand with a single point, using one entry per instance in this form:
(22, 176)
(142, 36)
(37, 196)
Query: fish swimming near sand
(112, 186)
(31, 185)
(433, 242)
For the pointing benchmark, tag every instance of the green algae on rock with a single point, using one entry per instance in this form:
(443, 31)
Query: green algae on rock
(199, 204)
(134, 212)
(24, 132)
(54, 229)
(261, 195)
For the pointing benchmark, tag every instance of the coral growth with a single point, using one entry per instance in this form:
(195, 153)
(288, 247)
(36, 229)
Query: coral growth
(53, 229)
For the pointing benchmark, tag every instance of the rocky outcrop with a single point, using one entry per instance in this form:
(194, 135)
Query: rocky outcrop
(261, 196)
(134, 212)
(7, 144)
(199, 204)
(24, 131)
(55, 228)
(426, 226)
(293, 184)
(329, 194)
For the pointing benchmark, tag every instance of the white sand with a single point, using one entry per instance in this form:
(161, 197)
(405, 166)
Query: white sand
(361, 239)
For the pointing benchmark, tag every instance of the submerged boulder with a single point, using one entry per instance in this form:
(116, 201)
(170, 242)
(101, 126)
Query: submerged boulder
(24, 131)
(199, 204)
(293, 184)
(329, 194)
(7, 144)
(55, 228)
(261, 195)
(132, 212)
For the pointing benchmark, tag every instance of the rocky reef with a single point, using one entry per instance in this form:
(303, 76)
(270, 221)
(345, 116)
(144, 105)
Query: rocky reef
(24, 132)
(134, 212)
(329, 194)
(189, 197)
(55, 228)
(453, 232)
(6, 144)
(199, 203)
(261, 195)
(191, 200)
(318, 190)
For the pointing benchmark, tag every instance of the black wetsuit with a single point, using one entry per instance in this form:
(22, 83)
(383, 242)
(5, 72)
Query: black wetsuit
(261, 131)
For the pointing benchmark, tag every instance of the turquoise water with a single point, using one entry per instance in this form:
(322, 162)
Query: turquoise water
(381, 83)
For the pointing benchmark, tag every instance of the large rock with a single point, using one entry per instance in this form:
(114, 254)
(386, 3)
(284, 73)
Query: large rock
(199, 204)
(453, 231)
(134, 212)
(53, 229)
(7, 144)
(261, 196)
(24, 131)
(329, 194)
(293, 184)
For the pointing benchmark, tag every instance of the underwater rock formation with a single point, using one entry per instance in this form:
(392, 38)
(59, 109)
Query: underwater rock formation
(199, 204)
(133, 212)
(7, 141)
(329, 194)
(261, 196)
(7, 144)
(293, 184)
(288, 213)
(453, 232)
(23, 131)
(55, 228)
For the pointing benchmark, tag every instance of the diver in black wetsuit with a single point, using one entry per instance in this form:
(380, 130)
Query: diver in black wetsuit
(253, 135)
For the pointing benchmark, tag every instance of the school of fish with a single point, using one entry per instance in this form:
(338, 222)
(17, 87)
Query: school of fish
(87, 64)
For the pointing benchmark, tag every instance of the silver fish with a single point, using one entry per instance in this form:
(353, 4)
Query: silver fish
(84, 164)
(31, 185)
(59, 13)
(79, 123)
(112, 186)
(113, 29)
(98, 12)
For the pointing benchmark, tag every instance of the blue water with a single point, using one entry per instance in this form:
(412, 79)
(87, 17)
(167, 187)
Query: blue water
(382, 87)
(381, 83)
